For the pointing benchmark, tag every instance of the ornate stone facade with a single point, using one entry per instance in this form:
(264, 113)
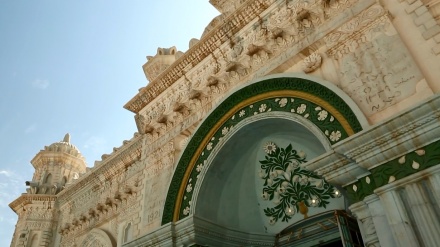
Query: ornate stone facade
(287, 118)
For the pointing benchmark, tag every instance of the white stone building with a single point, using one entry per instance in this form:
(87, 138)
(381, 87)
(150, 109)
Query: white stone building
(289, 123)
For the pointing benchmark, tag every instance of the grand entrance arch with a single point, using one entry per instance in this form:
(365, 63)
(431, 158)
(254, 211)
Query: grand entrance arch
(243, 169)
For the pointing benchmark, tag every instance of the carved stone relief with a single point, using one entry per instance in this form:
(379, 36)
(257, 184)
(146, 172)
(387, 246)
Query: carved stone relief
(373, 43)
(160, 165)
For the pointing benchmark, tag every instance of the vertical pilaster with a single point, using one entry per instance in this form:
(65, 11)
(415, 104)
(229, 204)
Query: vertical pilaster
(383, 231)
(46, 237)
(398, 219)
(366, 224)
(424, 214)
(434, 182)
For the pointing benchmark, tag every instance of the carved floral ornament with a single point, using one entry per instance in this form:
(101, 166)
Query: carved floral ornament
(228, 65)
(288, 186)
(283, 26)
(319, 116)
(226, 116)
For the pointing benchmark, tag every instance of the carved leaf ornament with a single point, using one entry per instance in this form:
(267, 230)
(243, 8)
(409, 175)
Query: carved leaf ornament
(291, 188)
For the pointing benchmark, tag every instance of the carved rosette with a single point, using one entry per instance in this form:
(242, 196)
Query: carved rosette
(311, 63)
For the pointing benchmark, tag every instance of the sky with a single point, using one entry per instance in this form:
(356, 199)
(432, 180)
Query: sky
(69, 67)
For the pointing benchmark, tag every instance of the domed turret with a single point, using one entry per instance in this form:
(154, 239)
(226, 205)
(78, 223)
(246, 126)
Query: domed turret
(55, 166)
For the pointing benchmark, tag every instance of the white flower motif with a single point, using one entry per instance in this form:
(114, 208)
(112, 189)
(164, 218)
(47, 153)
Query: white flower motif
(189, 188)
(283, 102)
(303, 180)
(301, 109)
(326, 132)
(269, 182)
(292, 110)
(290, 211)
(270, 147)
(391, 179)
(225, 130)
(332, 118)
(262, 173)
(335, 136)
(402, 160)
(241, 114)
(186, 211)
(233, 117)
(314, 201)
(199, 167)
(317, 108)
(415, 165)
(265, 196)
(262, 107)
(255, 113)
(306, 116)
(302, 154)
(281, 190)
(251, 106)
(272, 220)
(322, 115)
(209, 146)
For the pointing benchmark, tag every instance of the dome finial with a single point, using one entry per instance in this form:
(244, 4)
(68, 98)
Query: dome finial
(67, 138)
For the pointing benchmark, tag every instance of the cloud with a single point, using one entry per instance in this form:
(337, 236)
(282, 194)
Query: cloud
(41, 84)
(6, 173)
(30, 128)
(11, 186)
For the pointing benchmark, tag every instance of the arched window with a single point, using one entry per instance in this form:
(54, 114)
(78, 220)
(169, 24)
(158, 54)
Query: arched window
(127, 233)
(48, 179)
(34, 241)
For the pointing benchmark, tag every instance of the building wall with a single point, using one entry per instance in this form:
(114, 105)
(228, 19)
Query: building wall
(380, 57)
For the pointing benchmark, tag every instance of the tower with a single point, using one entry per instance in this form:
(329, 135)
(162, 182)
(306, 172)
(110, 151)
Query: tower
(55, 167)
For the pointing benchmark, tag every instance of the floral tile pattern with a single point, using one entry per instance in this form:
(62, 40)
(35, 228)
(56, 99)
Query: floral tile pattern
(291, 188)
(319, 116)
(393, 170)
(315, 112)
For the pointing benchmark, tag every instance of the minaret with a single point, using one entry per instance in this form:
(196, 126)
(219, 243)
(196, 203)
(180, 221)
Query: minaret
(56, 166)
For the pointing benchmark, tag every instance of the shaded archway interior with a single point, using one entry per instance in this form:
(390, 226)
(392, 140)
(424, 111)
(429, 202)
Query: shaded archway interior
(230, 194)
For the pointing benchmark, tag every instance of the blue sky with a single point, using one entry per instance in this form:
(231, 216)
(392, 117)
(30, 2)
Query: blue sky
(70, 66)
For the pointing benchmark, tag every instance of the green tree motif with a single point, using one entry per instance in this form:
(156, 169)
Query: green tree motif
(291, 188)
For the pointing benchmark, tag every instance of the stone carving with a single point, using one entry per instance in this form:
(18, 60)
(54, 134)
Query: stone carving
(312, 62)
(291, 188)
(373, 42)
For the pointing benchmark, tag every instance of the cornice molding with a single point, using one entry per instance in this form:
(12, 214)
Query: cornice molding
(196, 54)
(359, 156)
(25, 199)
(123, 157)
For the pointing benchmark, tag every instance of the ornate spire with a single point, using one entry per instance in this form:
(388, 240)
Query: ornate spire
(67, 138)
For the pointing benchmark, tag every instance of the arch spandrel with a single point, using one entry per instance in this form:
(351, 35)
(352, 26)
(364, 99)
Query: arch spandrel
(98, 238)
(304, 98)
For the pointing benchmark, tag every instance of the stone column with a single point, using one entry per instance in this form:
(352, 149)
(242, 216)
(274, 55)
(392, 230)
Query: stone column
(398, 219)
(366, 224)
(377, 212)
(434, 181)
(424, 214)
